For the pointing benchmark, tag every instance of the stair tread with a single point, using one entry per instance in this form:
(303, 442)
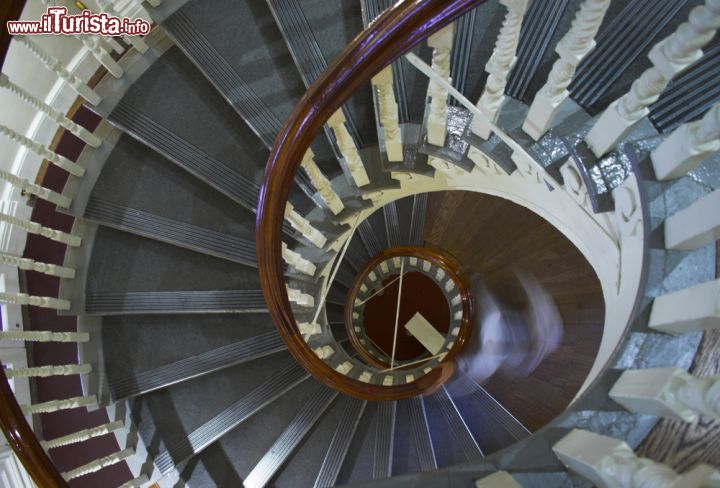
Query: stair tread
(174, 109)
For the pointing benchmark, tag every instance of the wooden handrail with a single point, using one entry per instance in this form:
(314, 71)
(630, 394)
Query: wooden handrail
(391, 35)
(18, 432)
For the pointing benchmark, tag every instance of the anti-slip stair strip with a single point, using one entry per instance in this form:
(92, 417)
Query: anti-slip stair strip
(227, 81)
(619, 45)
(171, 231)
(304, 48)
(232, 301)
(187, 156)
(227, 420)
(689, 95)
(192, 367)
(538, 28)
(309, 413)
(353, 409)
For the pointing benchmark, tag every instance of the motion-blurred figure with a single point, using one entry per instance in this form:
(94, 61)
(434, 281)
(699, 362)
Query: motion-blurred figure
(508, 340)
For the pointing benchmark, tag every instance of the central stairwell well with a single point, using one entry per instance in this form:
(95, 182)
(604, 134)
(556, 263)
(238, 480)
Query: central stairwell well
(214, 273)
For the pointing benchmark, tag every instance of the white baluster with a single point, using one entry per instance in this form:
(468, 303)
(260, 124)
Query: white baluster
(344, 368)
(43, 151)
(669, 57)
(668, 392)
(43, 336)
(32, 265)
(57, 405)
(33, 189)
(348, 149)
(301, 224)
(136, 41)
(691, 309)
(56, 67)
(93, 44)
(35, 228)
(44, 302)
(82, 435)
(499, 66)
(388, 113)
(610, 463)
(694, 226)
(324, 352)
(45, 371)
(137, 482)
(50, 112)
(322, 183)
(572, 48)
(501, 479)
(687, 146)
(98, 464)
(295, 259)
(308, 329)
(302, 299)
(441, 42)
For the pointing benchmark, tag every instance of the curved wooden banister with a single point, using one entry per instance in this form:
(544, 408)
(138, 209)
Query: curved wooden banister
(18, 432)
(391, 35)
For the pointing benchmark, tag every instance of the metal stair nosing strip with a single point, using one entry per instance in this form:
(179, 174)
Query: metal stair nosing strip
(192, 159)
(538, 28)
(227, 420)
(392, 224)
(305, 49)
(220, 301)
(421, 434)
(619, 45)
(256, 114)
(221, 74)
(460, 60)
(201, 364)
(457, 425)
(690, 95)
(465, 386)
(340, 442)
(417, 221)
(318, 401)
(369, 239)
(173, 232)
(384, 438)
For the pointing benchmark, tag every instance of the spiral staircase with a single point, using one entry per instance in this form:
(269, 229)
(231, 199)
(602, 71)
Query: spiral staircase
(211, 285)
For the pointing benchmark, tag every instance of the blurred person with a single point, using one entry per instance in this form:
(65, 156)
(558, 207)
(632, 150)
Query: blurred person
(509, 340)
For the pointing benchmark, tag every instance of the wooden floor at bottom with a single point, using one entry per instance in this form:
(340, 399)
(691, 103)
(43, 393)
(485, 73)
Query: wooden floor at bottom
(493, 238)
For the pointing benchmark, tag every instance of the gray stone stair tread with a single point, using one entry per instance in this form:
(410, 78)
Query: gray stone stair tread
(135, 176)
(166, 417)
(175, 95)
(333, 25)
(227, 24)
(232, 247)
(263, 428)
(134, 344)
(302, 468)
(123, 262)
(358, 465)
(199, 364)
